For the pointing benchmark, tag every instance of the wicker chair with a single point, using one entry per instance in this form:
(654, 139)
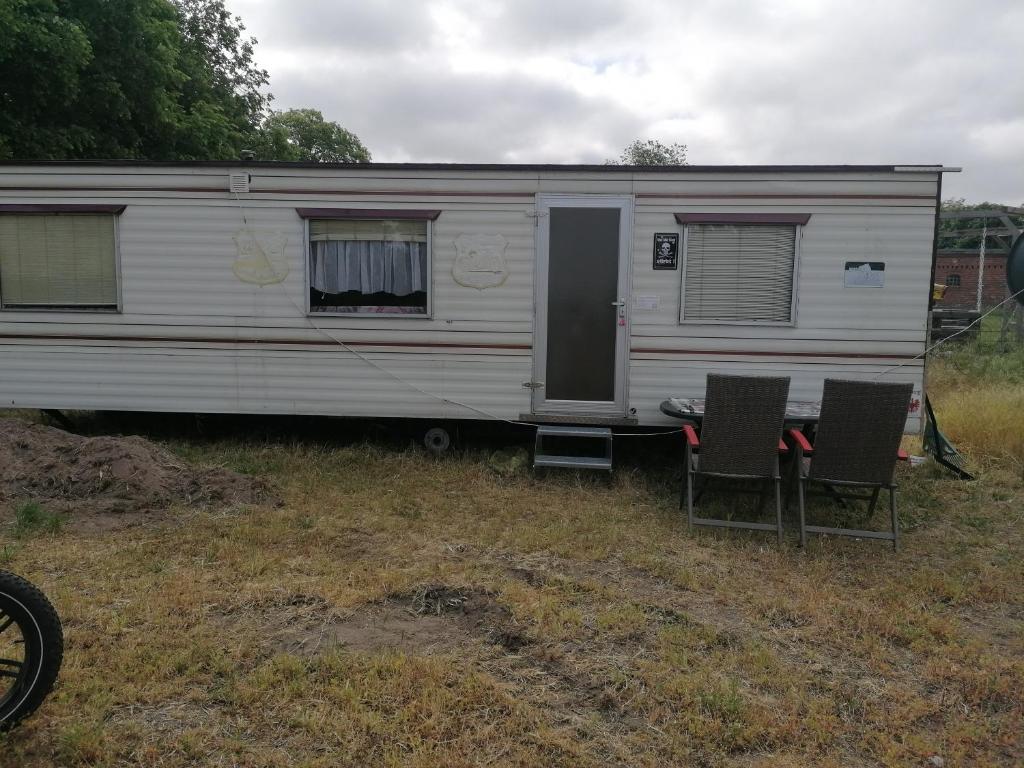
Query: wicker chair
(740, 439)
(856, 447)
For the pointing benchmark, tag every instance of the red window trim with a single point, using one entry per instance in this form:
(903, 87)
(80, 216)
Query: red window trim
(57, 208)
(366, 213)
(743, 218)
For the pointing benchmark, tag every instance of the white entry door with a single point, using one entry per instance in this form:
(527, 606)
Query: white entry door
(581, 344)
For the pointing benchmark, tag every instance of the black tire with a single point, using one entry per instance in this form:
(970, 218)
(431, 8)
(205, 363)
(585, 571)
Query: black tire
(28, 622)
(437, 440)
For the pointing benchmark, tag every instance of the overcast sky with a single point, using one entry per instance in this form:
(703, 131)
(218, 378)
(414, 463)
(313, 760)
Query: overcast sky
(737, 81)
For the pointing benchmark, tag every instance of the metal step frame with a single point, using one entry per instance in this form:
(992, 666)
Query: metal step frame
(542, 459)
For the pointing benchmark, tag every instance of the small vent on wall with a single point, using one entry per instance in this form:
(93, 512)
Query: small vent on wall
(238, 182)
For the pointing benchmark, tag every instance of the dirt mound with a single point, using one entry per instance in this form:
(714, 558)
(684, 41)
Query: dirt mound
(105, 475)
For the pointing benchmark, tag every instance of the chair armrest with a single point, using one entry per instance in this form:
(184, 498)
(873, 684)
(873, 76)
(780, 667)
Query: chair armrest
(783, 448)
(800, 440)
(901, 455)
(691, 436)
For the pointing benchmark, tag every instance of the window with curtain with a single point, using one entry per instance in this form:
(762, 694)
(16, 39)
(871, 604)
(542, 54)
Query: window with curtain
(368, 266)
(739, 273)
(58, 261)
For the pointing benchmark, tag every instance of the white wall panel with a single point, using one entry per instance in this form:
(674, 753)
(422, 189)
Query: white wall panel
(177, 284)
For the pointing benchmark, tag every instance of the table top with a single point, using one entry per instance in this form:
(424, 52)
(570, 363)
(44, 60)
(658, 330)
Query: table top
(797, 411)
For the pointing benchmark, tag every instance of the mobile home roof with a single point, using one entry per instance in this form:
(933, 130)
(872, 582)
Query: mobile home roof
(538, 168)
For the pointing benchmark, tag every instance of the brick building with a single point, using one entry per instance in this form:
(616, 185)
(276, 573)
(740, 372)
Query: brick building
(959, 273)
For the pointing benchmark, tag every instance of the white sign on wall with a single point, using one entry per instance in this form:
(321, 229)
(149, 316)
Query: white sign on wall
(864, 274)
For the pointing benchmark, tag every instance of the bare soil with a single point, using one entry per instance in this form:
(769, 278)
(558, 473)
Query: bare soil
(431, 619)
(104, 477)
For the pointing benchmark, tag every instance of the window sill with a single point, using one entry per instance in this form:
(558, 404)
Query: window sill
(371, 315)
(774, 323)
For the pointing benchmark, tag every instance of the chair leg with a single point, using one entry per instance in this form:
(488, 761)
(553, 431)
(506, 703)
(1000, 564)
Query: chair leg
(778, 506)
(800, 505)
(762, 497)
(794, 477)
(871, 504)
(895, 521)
(682, 491)
(689, 501)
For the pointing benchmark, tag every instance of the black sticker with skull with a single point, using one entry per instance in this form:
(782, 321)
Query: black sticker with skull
(666, 250)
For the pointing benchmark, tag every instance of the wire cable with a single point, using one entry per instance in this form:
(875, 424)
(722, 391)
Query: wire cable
(940, 342)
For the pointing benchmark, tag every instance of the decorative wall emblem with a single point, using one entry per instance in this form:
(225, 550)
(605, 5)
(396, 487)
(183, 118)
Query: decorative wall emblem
(480, 261)
(261, 259)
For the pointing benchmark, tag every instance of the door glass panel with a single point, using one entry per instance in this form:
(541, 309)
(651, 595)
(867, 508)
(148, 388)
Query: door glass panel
(583, 267)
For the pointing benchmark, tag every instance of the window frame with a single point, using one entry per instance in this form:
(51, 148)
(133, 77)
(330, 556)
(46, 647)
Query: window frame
(114, 210)
(953, 276)
(796, 220)
(368, 214)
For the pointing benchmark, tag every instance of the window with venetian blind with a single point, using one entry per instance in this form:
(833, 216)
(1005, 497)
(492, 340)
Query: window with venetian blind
(58, 261)
(739, 272)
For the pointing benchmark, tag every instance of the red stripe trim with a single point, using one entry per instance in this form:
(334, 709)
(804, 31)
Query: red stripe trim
(748, 353)
(743, 218)
(301, 192)
(302, 342)
(474, 193)
(421, 345)
(51, 208)
(772, 196)
(366, 213)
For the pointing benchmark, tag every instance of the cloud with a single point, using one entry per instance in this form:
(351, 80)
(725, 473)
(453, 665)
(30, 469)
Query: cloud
(443, 116)
(310, 26)
(738, 81)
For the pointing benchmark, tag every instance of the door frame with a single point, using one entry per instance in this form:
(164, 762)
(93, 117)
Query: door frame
(539, 401)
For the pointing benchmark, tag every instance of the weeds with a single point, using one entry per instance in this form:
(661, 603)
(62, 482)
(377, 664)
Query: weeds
(30, 519)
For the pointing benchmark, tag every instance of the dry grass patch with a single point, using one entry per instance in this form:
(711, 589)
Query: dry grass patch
(399, 610)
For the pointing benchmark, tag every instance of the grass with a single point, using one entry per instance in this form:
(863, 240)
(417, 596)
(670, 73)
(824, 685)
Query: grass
(636, 642)
(31, 519)
(979, 398)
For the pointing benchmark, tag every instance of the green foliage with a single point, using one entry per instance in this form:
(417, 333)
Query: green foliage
(42, 58)
(145, 79)
(651, 152)
(30, 518)
(224, 90)
(966, 233)
(304, 135)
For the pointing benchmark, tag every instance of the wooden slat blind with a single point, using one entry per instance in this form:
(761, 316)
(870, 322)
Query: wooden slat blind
(64, 260)
(739, 273)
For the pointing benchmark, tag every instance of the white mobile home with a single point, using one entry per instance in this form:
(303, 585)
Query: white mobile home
(580, 293)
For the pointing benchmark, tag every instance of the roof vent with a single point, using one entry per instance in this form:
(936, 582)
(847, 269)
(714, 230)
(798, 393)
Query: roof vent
(238, 182)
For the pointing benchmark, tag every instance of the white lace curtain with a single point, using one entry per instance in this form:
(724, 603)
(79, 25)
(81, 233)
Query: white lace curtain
(368, 266)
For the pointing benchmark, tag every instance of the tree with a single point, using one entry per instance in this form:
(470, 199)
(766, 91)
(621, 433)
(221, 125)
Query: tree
(127, 104)
(651, 152)
(966, 233)
(42, 57)
(304, 135)
(143, 79)
(223, 83)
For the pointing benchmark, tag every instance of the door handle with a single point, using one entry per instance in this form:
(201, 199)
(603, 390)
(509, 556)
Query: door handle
(621, 304)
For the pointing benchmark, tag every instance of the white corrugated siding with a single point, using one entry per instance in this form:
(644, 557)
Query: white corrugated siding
(176, 284)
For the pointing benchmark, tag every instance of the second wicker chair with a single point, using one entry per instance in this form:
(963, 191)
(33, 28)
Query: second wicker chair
(856, 447)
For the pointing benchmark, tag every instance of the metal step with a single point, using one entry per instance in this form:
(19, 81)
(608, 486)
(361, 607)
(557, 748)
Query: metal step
(578, 462)
(543, 459)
